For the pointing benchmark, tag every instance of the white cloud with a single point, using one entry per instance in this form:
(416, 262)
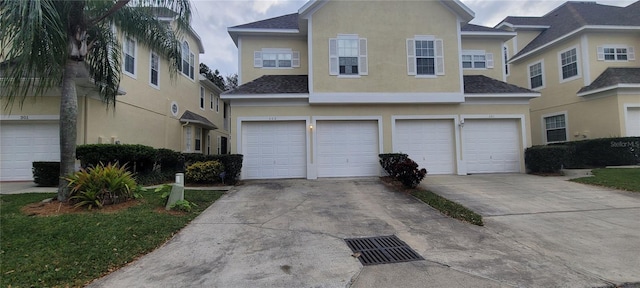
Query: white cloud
(211, 19)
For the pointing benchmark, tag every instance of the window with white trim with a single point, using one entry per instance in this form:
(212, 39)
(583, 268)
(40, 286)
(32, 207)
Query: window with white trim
(217, 104)
(209, 143)
(154, 70)
(555, 128)
(187, 139)
(476, 59)
(201, 97)
(211, 100)
(569, 64)
(198, 139)
(276, 58)
(129, 51)
(536, 75)
(425, 56)
(187, 63)
(348, 55)
(616, 53)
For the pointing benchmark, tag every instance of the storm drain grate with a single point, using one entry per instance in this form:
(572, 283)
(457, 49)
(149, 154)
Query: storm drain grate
(382, 250)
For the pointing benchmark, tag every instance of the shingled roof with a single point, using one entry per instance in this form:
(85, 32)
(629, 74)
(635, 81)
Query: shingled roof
(289, 21)
(274, 84)
(612, 77)
(571, 16)
(480, 84)
(190, 117)
(478, 28)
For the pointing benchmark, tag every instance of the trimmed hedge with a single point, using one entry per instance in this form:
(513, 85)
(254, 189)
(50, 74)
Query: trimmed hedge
(148, 160)
(46, 174)
(583, 154)
(204, 172)
(139, 158)
(545, 159)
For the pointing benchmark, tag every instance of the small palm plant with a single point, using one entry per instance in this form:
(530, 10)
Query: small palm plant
(102, 185)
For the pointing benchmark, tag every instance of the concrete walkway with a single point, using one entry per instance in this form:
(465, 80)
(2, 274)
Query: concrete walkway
(591, 230)
(289, 233)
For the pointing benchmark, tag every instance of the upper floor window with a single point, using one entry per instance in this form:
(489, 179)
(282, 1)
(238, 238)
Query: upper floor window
(425, 56)
(211, 99)
(616, 53)
(569, 64)
(217, 104)
(348, 55)
(505, 53)
(188, 60)
(536, 75)
(476, 59)
(201, 97)
(555, 128)
(276, 58)
(154, 73)
(129, 50)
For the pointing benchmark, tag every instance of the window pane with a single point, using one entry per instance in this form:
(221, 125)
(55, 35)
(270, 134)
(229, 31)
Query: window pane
(425, 66)
(536, 81)
(129, 64)
(347, 47)
(348, 65)
(569, 70)
(556, 135)
(284, 63)
(467, 64)
(269, 63)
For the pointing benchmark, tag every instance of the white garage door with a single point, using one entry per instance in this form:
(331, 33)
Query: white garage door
(428, 142)
(491, 146)
(347, 148)
(24, 143)
(633, 121)
(274, 150)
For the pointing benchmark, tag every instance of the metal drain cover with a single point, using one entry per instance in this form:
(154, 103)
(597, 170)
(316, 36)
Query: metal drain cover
(382, 250)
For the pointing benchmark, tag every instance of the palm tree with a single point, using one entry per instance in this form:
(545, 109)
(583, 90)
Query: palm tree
(47, 44)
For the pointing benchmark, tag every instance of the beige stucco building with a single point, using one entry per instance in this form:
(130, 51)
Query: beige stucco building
(323, 91)
(581, 58)
(183, 113)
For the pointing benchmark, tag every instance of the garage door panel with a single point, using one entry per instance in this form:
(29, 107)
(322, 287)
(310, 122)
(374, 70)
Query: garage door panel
(274, 149)
(347, 148)
(428, 142)
(491, 146)
(22, 143)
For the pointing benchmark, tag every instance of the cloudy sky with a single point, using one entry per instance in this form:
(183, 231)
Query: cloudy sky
(212, 17)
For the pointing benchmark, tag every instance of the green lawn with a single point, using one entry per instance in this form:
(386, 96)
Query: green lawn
(72, 249)
(619, 178)
(448, 207)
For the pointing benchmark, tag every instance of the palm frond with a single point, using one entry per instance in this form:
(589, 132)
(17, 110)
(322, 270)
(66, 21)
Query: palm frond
(103, 61)
(36, 47)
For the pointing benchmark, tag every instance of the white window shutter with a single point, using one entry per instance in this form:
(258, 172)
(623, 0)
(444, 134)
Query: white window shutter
(363, 63)
(333, 57)
(600, 53)
(411, 57)
(257, 59)
(631, 54)
(489, 59)
(295, 59)
(439, 56)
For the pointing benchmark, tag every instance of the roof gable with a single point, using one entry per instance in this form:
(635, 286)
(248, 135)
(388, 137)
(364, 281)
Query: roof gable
(612, 77)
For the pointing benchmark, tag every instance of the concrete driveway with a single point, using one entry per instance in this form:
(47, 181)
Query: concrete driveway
(289, 233)
(593, 230)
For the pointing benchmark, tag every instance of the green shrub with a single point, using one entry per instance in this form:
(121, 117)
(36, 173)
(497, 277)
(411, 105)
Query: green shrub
(545, 159)
(191, 158)
(232, 167)
(46, 174)
(183, 205)
(102, 185)
(408, 174)
(168, 160)
(204, 172)
(602, 152)
(388, 162)
(139, 158)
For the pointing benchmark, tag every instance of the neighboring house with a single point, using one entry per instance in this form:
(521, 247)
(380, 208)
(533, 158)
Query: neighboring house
(581, 57)
(184, 114)
(325, 90)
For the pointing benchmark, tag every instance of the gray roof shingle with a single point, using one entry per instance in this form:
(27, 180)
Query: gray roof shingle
(191, 117)
(480, 84)
(273, 84)
(478, 28)
(614, 76)
(573, 15)
(289, 21)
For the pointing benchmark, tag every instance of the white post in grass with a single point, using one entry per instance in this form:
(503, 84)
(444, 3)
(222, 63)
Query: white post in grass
(177, 191)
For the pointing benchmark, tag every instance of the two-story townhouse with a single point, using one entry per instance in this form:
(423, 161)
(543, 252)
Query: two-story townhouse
(581, 58)
(325, 90)
(183, 113)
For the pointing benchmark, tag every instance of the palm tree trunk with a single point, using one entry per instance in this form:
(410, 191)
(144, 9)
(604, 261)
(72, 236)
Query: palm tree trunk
(68, 129)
